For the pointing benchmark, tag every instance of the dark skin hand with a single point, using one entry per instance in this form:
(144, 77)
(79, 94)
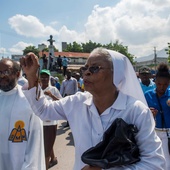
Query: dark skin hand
(51, 95)
(154, 111)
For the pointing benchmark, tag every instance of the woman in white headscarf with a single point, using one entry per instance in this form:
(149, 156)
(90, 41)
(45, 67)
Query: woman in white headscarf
(112, 91)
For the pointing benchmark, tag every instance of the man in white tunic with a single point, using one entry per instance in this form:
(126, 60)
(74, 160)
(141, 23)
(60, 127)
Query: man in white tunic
(21, 133)
(112, 91)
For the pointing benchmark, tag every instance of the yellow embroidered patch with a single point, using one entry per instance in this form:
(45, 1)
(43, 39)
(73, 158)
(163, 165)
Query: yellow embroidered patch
(18, 133)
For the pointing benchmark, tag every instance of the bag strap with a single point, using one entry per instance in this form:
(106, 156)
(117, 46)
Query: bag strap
(162, 114)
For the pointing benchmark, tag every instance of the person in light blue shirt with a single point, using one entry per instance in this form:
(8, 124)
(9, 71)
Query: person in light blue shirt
(145, 79)
(158, 101)
(64, 63)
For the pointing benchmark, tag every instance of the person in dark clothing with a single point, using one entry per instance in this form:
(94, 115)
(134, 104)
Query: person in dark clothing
(45, 61)
(59, 62)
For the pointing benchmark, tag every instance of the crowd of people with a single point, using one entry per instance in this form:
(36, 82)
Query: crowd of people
(105, 89)
(60, 64)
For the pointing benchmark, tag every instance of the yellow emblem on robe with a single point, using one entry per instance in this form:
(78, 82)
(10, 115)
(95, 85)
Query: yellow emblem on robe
(18, 133)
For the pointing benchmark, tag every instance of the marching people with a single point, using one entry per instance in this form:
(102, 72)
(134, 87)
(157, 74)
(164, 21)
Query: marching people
(145, 79)
(158, 100)
(21, 131)
(64, 64)
(69, 86)
(79, 81)
(108, 80)
(59, 62)
(49, 127)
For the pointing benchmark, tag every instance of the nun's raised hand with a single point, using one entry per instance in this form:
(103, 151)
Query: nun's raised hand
(30, 66)
(30, 63)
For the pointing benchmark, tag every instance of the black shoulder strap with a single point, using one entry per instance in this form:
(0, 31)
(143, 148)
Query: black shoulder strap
(162, 113)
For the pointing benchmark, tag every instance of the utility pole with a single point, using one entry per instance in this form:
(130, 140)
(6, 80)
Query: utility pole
(155, 58)
(168, 52)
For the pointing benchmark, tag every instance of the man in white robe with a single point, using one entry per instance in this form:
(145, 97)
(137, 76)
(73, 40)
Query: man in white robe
(21, 133)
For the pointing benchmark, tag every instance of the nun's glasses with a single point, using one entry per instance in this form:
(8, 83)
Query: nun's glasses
(92, 69)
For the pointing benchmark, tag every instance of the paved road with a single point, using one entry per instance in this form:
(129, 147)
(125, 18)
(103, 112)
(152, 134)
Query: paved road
(64, 148)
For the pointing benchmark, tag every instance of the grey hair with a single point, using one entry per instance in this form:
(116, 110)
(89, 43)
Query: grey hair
(103, 52)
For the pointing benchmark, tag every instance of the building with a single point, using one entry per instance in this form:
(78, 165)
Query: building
(76, 60)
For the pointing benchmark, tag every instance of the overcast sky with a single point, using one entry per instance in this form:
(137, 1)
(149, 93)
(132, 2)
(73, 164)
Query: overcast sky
(139, 24)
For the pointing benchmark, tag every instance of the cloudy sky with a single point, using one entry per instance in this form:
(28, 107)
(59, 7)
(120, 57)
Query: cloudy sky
(139, 24)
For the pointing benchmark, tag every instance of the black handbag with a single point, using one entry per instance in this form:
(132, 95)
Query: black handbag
(117, 148)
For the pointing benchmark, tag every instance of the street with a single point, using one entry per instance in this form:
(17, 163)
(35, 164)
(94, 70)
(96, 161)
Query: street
(64, 148)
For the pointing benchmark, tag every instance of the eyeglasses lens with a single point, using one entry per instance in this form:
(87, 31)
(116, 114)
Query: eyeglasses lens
(5, 73)
(93, 69)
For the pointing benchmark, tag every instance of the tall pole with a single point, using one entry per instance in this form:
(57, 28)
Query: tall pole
(155, 58)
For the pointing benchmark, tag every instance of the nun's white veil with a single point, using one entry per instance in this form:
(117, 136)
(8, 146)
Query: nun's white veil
(124, 76)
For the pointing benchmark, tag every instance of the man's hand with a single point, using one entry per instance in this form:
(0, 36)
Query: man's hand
(87, 167)
(30, 66)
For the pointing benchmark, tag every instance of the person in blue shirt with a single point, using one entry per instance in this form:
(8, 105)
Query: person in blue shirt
(57, 84)
(158, 101)
(64, 63)
(146, 82)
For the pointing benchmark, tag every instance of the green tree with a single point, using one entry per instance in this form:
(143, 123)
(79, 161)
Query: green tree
(117, 46)
(31, 49)
(89, 46)
(75, 47)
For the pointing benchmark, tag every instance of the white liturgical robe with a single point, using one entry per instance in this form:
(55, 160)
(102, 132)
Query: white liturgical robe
(21, 133)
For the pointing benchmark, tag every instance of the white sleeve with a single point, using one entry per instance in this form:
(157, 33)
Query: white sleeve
(44, 108)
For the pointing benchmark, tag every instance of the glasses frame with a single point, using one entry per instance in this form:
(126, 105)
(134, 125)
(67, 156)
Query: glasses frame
(92, 69)
(6, 73)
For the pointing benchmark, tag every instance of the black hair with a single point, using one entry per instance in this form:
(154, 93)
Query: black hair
(163, 71)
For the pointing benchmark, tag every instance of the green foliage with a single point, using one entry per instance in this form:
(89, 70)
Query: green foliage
(75, 47)
(31, 49)
(89, 46)
(36, 50)
(121, 49)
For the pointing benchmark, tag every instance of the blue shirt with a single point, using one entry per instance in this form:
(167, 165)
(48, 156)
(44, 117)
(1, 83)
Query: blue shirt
(57, 85)
(165, 102)
(146, 88)
(65, 62)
